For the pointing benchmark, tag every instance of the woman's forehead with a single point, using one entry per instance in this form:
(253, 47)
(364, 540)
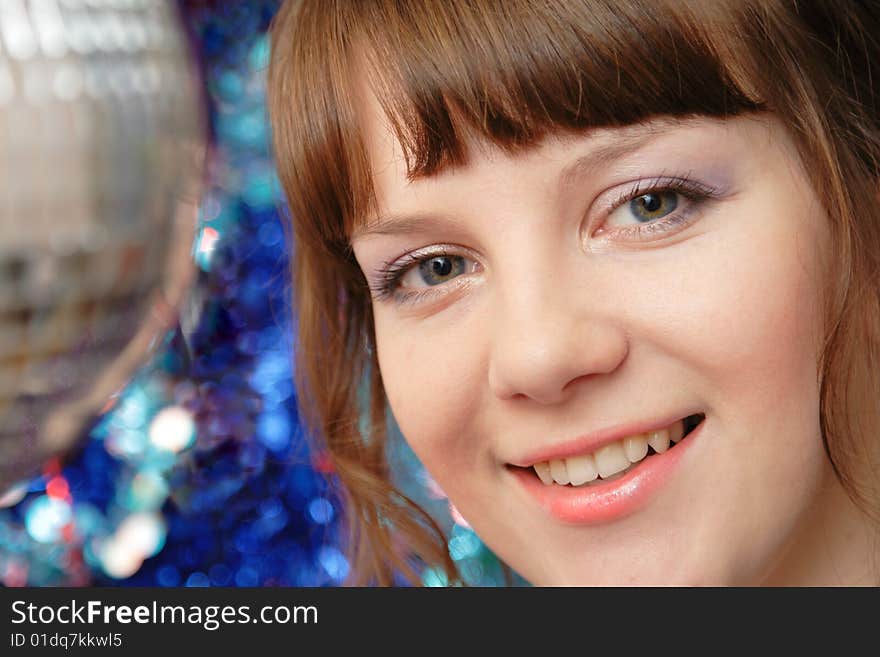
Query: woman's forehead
(717, 150)
(593, 147)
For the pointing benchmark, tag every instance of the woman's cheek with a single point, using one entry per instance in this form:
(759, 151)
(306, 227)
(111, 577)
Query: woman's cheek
(774, 315)
(430, 371)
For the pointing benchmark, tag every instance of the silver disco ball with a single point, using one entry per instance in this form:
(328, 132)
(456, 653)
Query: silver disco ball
(100, 147)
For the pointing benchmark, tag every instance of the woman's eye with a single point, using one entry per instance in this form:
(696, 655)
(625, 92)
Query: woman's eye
(651, 209)
(434, 271)
(646, 207)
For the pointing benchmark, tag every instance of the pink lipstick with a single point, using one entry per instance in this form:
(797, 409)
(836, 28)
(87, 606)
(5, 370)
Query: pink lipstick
(605, 501)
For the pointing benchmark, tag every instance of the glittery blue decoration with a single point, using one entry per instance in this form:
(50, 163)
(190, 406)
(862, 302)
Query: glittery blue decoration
(191, 479)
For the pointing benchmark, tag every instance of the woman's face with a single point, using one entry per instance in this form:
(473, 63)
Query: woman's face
(540, 317)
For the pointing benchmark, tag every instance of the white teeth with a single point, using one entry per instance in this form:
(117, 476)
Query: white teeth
(676, 431)
(543, 471)
(659, 440)
(636, 447)
(611, 459)
(559, 472)
(581, 469)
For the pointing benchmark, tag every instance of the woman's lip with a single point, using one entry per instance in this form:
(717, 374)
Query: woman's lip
(589, 443)
(605, 502)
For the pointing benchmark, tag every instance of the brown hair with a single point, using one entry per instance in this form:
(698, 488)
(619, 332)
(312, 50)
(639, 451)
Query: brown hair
(511, 72)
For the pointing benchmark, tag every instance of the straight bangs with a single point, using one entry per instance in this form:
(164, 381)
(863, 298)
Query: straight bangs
(449, 72)
(513, 73)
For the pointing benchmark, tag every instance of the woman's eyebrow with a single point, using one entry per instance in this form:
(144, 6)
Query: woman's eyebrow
(624, 142)
(406, 224)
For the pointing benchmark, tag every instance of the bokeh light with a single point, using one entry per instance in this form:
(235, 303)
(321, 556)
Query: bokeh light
(173, 429)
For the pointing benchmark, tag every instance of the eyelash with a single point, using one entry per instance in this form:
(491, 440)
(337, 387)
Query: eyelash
(693, 191)
(388, 276)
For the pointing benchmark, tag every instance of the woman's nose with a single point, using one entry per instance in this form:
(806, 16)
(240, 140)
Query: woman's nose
(543, 341)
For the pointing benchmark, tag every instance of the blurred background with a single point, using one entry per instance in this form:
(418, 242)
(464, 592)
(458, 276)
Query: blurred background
(196, 472)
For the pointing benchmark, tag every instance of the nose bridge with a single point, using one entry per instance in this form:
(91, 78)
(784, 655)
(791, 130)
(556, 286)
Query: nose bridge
(548, 330)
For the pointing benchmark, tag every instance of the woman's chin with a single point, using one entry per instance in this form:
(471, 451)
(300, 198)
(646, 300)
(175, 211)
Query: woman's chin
(659, 577)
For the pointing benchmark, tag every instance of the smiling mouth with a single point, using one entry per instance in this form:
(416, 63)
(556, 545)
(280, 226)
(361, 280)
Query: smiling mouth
(613, 460)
